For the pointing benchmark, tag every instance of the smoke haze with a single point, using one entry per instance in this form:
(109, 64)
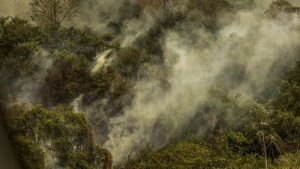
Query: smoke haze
(258, 48)
(14, 8)
(243, 56)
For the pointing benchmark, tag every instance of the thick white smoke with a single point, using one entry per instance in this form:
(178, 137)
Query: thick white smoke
(101, 60)
(252, 45)
(259, 46)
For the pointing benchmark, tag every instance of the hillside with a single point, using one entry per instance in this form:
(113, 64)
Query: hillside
(150, 84)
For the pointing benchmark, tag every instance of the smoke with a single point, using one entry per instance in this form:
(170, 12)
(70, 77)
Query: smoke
(24, 85)
(244, 57)
(135, 28)
(29, 87)
(15, 8)
(101, 60)
(96, 14)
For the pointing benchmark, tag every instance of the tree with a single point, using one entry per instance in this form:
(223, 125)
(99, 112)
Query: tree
(270, 142)
(67, 81)
(50, 13)
(209, 10)
(128, 61)
(38, 133)
(279, 6)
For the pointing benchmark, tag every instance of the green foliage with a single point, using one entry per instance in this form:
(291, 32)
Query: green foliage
(18, 40)
(182, 155)
(128, 62)
(30, 154)
(237, 137)
(14, 69)
(260, 132)
(67, 80)
(188, 155)
(80, 42)
(288, 161)
(289, 97)
(14, 31)
(237, 142)
(37, 131)
(248, 161)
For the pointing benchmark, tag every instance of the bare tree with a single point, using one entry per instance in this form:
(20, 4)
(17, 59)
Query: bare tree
(50, 13)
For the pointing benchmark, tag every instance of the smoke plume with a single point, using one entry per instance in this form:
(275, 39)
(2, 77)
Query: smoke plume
(244, 56)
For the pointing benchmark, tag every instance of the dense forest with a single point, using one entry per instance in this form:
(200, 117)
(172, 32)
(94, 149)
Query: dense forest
(151, 84)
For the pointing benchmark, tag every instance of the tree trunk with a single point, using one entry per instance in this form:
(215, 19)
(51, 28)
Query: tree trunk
(265, 151)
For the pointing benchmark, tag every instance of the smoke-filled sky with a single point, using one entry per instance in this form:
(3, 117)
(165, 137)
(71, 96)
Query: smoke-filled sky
(244, 56)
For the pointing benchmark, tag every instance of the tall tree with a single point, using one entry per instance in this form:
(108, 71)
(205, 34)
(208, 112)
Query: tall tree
(50, 13)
